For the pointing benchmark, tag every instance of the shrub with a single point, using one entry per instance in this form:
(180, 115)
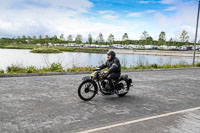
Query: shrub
(124, 68)
(15, 69)
(2, 71)
(154, 66)
(31, 69)
(198, 64)
(56, 67)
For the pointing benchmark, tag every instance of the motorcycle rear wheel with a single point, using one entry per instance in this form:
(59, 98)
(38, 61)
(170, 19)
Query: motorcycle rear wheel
(124, 88)
(87, 90)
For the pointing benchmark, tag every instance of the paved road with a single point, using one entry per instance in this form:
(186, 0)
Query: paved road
(45, 104)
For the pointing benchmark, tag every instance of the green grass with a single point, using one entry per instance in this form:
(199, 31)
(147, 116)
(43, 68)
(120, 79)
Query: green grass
(58, 49)
(57, 67)
(45, 50)
(19, 46)
(155, 66)
(61, 48)
(15, 69)
(81, 69)
(85, 50)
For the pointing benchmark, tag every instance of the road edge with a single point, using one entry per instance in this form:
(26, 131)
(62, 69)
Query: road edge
(86, 72)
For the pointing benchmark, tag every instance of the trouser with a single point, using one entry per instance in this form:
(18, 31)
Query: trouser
(113, 76)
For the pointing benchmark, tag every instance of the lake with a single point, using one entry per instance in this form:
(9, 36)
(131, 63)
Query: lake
(71, 59)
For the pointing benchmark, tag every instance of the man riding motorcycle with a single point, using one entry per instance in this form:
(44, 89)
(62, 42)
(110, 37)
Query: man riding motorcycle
(107, 83)
(114, 68)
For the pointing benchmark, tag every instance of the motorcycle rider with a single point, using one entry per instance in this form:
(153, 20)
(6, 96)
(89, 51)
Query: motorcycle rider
(114, 68)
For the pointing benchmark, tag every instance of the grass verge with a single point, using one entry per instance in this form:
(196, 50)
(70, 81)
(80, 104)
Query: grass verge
(57, 67)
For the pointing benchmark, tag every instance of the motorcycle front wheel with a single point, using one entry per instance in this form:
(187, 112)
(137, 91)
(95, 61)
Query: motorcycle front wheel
(87, 90)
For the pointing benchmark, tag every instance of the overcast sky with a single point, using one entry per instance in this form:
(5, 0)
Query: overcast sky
(54, 17)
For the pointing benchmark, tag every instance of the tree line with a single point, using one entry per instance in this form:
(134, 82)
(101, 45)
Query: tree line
(145, 39)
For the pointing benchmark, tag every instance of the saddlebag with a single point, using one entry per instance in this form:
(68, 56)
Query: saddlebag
(125, 77)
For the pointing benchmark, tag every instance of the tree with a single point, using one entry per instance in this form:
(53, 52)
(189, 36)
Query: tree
(47, 40)
(145, 39)
(125, 39)
(162, 38)
(54, 39)
(62, 37)
(144, 35)
(100, 39)
(34, 40)
(184, 36)
(41, 40)
(78, 39)
(149, 40)
(111, 39)
(18, 40)
(171, 42)
(23, 40)
(29, 39)
(198, 42)
(90, 39)
(69, 39)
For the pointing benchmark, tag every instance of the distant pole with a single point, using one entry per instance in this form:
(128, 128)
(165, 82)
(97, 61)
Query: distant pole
(196, 35)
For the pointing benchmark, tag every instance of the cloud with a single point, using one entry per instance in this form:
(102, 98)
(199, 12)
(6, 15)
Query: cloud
(51, 17)
(108, 14)
(144, 2)
(27, 17)
(172, 8)
(106, 11)
(139, 14)
(168, 1)
(183, 18)
(159, 2)
(162, 19)
(149, 11)
(110, 17)
(190, 30)
(76, 5)
(135, 14)
(186, 13)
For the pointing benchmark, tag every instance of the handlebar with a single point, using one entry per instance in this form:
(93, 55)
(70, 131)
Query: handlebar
(97, 69)
(101, 72)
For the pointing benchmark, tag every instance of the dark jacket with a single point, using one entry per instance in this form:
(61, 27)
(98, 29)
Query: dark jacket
(113, 65)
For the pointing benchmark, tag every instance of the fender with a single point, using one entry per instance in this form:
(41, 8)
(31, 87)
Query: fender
(86, 78)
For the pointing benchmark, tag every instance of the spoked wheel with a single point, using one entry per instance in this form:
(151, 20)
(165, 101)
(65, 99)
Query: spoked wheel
(87, 90)
(123, 88)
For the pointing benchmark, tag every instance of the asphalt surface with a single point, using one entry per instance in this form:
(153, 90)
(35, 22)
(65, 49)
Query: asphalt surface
(50, 104)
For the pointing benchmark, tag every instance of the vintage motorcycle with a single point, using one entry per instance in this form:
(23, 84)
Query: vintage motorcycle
(98, 82)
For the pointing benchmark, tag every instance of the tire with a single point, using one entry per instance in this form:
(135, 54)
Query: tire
(126, 85)
(85, 88)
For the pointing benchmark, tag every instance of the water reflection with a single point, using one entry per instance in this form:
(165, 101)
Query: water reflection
(68, 59)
